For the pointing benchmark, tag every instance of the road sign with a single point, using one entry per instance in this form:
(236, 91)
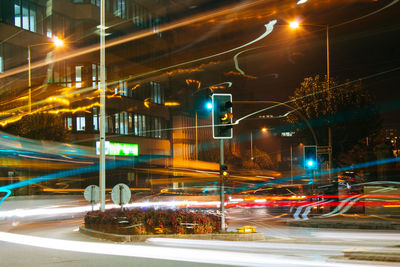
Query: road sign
(91, 193)
(121, 194)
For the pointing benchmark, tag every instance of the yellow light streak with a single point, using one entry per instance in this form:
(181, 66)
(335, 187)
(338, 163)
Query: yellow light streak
(235, 73)
(172, 104)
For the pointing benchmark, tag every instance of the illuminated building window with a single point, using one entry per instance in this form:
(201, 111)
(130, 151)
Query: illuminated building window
(130, 122)
(17, 14)
(78, 76)
(121, 123)
(116, 120)
(287, 134)
(96, 118)
(80, 123)
(122, 88)
(68, 123)
(156, 93)
(95, 76)
(119, 8)
(135, 124)
(27, 15)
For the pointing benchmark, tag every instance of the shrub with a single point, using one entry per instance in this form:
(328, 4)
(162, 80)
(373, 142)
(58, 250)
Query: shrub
(151, 221)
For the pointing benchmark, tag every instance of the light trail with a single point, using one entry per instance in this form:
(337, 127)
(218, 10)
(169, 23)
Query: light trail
(166, 253)
(367, 15)
(217, 244)
(142, 34)
(235, 58)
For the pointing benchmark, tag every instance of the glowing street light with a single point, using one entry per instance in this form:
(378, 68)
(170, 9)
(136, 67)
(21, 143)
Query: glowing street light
(57, 43)
(294, 24)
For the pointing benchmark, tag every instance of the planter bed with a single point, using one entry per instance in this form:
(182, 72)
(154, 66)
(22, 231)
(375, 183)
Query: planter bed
(229, 236)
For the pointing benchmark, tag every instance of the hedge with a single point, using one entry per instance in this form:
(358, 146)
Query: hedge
(151, 221)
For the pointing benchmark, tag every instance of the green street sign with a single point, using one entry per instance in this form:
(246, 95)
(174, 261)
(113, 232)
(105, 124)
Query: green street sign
(118, 149)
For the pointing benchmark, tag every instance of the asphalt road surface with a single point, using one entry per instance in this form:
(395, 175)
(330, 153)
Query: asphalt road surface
(47, 236)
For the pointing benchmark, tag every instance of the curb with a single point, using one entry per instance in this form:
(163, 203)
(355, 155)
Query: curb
(384, 254)
(142, 238)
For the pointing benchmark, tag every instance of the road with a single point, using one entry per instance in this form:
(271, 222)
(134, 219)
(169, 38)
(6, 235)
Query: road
(49, 240)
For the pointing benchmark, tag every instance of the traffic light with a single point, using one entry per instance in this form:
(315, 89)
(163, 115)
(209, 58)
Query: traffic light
(222, 116)
(202, 101)
(310, 157)
(224, 171)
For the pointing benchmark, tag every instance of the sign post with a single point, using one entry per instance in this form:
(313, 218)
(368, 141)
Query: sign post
(121, 194)
(91, 194)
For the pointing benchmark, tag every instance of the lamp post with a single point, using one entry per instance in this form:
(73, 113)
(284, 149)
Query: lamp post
(56, 42)
(263, 130)
(295, 25)
(102, 166)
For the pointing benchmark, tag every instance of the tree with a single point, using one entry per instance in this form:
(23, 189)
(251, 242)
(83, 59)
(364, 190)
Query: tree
(347, 108)
(261, 160)
(39, 126)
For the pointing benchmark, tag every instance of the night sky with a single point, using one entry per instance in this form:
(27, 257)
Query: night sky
(364, 44)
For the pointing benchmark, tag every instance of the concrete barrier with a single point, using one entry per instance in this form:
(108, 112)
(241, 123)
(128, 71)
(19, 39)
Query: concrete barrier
(230, 236)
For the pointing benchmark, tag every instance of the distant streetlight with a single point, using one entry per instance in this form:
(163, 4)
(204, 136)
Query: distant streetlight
(57, 43)
(263, 130)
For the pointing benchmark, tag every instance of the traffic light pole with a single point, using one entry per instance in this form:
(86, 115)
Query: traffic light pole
(222, 189)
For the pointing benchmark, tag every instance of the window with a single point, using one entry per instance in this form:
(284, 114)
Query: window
(28, 16)
(78, 76)
(116, 123)
(119, 8)
(80, 123)
(156, 93)
(136, 124)
(32, 20)
(68, 123)
(122, 88)
(96, 118)
(95, 76)
(124, 123)
(1, 64)
(17, 13)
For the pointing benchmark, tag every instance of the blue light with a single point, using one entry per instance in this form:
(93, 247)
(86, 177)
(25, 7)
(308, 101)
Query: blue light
(310, 163)
(209, 105)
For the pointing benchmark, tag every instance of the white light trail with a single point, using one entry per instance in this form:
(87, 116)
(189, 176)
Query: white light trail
(300, 2)
(164, 253)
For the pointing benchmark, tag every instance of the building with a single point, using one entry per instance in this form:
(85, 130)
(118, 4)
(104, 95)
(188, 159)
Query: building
(66, 79)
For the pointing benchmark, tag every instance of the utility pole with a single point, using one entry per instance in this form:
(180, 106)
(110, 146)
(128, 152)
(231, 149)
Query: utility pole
(291, 163)
(251, 145)
(222, 191)
(102, 167)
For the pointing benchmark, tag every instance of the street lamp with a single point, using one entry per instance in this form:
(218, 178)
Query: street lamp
(293, 26)
(56, 42)
(263, 130)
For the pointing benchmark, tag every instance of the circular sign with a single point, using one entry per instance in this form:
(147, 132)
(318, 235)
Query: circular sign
(121, 194)
(91, 193)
